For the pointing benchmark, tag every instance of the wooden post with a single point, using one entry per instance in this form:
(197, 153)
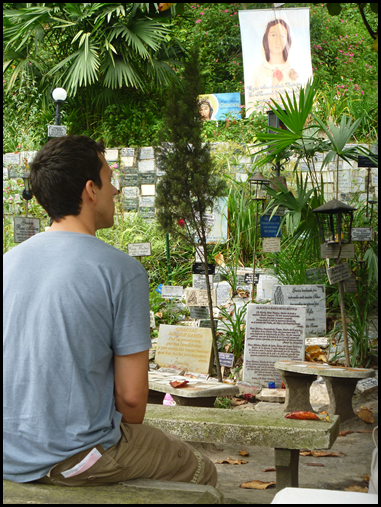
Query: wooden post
(255, 249)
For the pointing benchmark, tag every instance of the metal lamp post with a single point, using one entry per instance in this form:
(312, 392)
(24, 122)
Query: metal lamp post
(27, 193)
(59, 96)
(335, 226)
(258, 186)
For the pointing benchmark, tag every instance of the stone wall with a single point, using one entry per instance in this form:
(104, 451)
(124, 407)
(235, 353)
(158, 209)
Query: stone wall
(136, 174)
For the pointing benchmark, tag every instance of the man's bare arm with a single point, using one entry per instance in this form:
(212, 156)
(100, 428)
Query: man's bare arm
(131, 386)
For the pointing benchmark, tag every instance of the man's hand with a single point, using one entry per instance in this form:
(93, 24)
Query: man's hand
(131, 386)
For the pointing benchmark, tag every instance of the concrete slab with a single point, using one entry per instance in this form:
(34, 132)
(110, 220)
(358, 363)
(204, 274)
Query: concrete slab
(196, 388)
(140, 491)
(272, 395)
(244, 427)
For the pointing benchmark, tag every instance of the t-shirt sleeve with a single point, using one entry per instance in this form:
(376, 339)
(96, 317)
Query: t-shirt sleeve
(131, 317)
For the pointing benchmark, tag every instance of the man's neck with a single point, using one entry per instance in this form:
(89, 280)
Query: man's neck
(72, 223)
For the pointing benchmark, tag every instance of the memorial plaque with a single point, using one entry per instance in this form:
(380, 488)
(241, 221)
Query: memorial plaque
(199, 297)
(127, 161)
(362, 234)
(338, 273)
(171, 291)
(145, 166)
(207, 323)
(139, 249)
(147, 190)
(271, 245)
(57, 131)
(226, 359)
(147, 178)
(313, 296)
(16, 171)
(147, 213)
(145, 201)
(350, 284)
(128, 152)
(199, 269)
(265, 287)
(199, 282)
(280, 211)
(273, 333)
(146, 153)
(11, 158)
(130, 180)
(111, 155)
(270, 228)
(331, 251)
(25, 228)
(130, 170)
(199, 312)
(223, 292)
(184, 347)
(130, 192)
(130, 204)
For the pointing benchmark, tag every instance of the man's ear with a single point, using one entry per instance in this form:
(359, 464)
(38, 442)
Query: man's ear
(89, 192)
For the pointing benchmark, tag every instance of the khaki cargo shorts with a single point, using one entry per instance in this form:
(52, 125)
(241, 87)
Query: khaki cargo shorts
(143, 452)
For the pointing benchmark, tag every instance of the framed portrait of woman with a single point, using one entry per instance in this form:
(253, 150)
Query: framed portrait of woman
(276, 54)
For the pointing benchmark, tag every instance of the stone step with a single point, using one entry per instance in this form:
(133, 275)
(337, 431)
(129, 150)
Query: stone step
(140, 491)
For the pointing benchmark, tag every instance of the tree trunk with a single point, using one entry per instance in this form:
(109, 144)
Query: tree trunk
(214, 337)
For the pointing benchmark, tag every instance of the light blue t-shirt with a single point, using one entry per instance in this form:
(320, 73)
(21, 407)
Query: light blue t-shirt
(70, 303)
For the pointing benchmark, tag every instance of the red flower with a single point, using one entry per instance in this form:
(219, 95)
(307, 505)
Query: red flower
(181, 222)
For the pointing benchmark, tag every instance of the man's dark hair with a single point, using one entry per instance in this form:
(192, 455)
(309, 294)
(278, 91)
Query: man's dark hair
(266, 39)
(60, 170)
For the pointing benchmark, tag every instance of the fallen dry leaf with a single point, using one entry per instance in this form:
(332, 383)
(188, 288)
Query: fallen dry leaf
(359, 489)
(366, 415)
(318, 454)
(314, 464)
(219, 258)
(257, 484)
(345, 432)
(367, 478)
(364, 431)
(237, 403)
(176, 383)
(269, 470)
(315, 353)
(242, 452)
(159, 314)
(300, 414)
(230, 461)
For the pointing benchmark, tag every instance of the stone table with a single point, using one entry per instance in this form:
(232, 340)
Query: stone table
(341, 384)
(197, 393)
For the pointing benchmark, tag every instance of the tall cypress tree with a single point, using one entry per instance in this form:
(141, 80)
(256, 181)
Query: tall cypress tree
(190, 186)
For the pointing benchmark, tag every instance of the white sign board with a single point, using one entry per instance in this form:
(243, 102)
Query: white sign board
(273, 333)
(139, 249)
(25, 227)
(338, 273)
(362, 234)
(199, 297)
(265, 287)
(270, 245)
(171, 291)
(313, 296)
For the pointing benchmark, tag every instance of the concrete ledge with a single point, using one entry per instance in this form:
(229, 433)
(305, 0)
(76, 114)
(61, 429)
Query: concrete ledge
(140, 491)
(265, 429)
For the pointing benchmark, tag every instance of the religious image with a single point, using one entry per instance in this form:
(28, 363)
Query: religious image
(276, 54)
(216, 106)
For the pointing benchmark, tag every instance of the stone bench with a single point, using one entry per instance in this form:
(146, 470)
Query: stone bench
(197, 393)
(341, 384)
(140, 491)
(265, 429)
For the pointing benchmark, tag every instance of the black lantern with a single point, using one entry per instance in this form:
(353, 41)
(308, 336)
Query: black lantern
(27, 192)
(258, 187)
(335, 222)
(274, 121)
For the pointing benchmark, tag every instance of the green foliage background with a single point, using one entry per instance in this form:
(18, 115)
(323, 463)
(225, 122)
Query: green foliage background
(341, 57)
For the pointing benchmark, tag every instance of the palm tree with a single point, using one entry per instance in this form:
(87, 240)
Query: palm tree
(76, 45)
